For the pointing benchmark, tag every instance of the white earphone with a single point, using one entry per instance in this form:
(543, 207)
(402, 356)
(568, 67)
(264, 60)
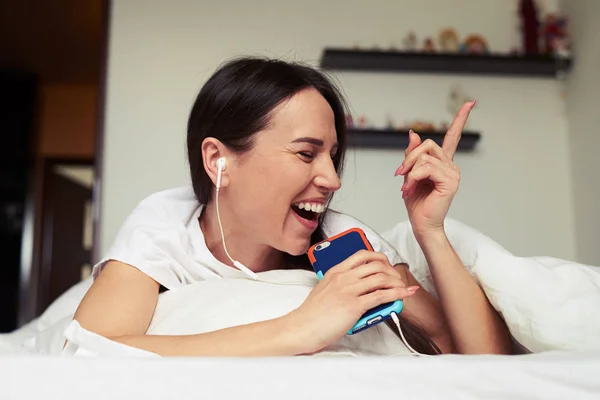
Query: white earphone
(220, 168)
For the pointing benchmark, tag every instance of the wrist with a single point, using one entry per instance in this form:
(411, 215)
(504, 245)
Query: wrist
(294, 337)
(431, 239)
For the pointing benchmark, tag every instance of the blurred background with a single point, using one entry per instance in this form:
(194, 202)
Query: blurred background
(95, 96)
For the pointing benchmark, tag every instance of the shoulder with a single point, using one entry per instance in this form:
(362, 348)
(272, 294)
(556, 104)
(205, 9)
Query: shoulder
(155, 237)
(336, 222)
(170, 202)
(160, 215)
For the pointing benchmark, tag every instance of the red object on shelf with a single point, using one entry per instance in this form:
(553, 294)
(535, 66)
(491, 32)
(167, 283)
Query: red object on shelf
(529, 26)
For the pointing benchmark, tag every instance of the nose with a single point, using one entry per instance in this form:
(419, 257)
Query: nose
(327, 178)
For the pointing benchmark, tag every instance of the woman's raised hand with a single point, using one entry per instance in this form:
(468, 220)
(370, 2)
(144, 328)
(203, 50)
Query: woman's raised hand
(431, 178)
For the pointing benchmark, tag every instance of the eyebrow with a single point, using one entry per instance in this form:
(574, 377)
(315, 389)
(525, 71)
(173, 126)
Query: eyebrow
(316, 142)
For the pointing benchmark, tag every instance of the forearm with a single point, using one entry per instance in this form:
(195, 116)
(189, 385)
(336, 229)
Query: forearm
(276, 337)
(474, 325)
(425, 311)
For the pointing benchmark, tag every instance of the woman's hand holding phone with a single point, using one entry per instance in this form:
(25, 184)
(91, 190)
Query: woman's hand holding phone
(362, 281)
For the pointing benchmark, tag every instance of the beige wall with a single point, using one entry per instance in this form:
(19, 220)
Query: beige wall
(583, 89)
(515, 188)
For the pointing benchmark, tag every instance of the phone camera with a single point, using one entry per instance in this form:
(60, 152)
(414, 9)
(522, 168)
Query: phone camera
(318, 247)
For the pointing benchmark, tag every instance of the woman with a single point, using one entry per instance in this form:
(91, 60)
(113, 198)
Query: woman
(281, 129)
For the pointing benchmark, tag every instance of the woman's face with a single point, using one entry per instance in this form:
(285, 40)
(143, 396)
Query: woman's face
(281, 184)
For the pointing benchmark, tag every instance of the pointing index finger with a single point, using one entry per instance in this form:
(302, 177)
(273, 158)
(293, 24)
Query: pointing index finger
(454, 133)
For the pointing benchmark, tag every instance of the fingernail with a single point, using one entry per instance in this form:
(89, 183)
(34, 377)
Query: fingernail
(413, 288)
(473, 104)
(399, 170)
(403, 187)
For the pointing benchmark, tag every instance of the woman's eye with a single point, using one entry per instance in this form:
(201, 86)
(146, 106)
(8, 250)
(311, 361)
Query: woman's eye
(306, 155)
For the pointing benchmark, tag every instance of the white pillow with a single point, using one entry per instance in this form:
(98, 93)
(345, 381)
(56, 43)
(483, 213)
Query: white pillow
(547, 303)
(215, 304)
(44, 334)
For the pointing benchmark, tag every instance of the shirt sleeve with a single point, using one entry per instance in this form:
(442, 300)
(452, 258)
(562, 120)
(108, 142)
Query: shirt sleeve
(336, 222)
(143, 242)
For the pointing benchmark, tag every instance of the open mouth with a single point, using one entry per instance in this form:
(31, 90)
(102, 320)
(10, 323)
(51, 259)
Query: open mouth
(309, 211)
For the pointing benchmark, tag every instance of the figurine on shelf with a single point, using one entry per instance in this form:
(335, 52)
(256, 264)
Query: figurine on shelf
(389, 122)
(403, 126)
(474, 44)
(349, 121)
(444, 126)
(449, 42)
(428, 45)
(562, 47)
(410, 42)
(362, 122)
(456, 98)
(514, 51)
(529, 27)
(422, 126)
(554, 31)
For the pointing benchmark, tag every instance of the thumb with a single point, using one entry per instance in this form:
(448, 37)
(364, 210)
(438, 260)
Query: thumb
(414, 140)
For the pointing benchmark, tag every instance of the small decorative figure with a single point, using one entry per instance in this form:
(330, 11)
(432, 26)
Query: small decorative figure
(449, 42)
(349, 121)
(362, 122)
(550, 31)
(514, 51)
(562, 47)
(405, 126)
(554, 31)
(474, 44)
(456, 98)
(410, 42)
(428, 45)
(444, 126)
(422, 126)
(529, 27)
(389, 122)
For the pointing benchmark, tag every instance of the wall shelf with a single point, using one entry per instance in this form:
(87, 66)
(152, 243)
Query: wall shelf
(395, 139)
(416, 62)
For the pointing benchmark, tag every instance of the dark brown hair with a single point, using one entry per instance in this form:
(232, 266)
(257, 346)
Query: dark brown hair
(236, 102)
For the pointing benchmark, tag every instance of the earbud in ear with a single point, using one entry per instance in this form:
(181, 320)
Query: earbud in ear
(221, 163)
(220, 167)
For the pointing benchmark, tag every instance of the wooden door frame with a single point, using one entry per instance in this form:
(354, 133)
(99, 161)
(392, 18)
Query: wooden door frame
(30, 272)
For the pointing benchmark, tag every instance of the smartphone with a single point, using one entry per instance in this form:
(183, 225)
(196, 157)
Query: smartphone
(329, 253)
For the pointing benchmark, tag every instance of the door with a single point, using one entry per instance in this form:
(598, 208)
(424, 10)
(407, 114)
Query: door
(66, 248)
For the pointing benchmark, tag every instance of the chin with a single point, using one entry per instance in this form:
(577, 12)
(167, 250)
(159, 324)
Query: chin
(298, 247)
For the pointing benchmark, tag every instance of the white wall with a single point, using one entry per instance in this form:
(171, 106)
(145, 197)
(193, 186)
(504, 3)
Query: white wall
(584, 121)
(516, 187)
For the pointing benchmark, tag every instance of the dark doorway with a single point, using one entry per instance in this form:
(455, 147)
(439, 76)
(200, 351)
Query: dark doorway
(66, 228)
(18, 97)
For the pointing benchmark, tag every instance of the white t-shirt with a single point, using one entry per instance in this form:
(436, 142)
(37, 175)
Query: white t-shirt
(163, 239)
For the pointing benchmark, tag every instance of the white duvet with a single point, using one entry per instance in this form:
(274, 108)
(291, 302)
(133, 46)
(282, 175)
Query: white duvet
(548, 304)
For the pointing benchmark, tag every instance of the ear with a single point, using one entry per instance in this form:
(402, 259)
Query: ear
(212, 150)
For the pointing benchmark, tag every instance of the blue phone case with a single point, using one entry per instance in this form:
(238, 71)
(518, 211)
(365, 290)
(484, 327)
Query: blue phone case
(331, 252)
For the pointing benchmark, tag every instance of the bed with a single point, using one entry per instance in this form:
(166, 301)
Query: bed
(557, 319)
(543, 376)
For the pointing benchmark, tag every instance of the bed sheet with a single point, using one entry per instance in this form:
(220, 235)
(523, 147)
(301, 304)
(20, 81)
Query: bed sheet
(553, 375)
